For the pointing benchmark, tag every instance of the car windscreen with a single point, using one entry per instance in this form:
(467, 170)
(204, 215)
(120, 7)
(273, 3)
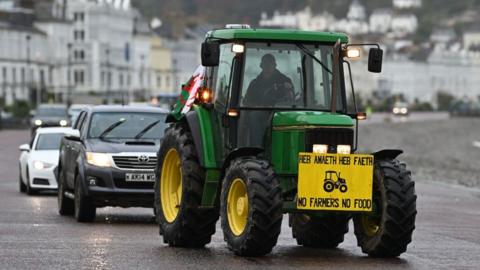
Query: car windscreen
(127, 125)
(50, 111)
(49, 141)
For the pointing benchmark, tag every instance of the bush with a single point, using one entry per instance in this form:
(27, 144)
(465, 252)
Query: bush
(20, 109)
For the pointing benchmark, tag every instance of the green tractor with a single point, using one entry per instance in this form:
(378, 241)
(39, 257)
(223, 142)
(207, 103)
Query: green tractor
(252, 137)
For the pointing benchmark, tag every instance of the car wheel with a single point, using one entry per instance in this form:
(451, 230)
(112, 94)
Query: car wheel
(22, 186)
(84, 209)
(66, 206)
(29, 189)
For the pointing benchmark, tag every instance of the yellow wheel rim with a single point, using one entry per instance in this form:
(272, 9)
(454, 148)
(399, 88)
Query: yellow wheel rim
(171, 185)
(237, 206)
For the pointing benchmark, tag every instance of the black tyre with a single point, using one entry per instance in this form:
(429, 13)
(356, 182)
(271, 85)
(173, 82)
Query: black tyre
(319, 232)
(85, 211)
(21, 186)
(29, 189)
(66, 205)
(251, 207)
(343, 188)
(178, 192)
(388, 230)
(328, 186)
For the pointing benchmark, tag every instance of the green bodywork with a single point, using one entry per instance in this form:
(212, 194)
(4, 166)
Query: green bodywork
(285, 138)
(276, 34)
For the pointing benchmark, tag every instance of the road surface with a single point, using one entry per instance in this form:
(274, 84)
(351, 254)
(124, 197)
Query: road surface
(34, 236)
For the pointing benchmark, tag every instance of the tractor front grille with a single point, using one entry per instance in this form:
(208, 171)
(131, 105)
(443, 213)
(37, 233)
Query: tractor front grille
(329, 136)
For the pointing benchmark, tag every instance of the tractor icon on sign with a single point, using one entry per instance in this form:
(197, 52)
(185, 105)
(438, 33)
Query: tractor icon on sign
(334, 181)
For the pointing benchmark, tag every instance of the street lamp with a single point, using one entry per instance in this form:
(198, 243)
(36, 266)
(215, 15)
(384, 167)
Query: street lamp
(69, 74)
(109, 77)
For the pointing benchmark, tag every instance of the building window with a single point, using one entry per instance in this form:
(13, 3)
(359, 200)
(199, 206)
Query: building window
(167, 82)
(79, 54)
(120, 80)
(79, 16)
(22, 75)
(4, 75)
(102, 78)
(14, 75)
(159, 81)
(79, 77)
(79, 35)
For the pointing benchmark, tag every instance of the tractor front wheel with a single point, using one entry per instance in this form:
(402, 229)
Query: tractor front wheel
(178, 192)
(387, 231)
(251, 207)
(319, 232)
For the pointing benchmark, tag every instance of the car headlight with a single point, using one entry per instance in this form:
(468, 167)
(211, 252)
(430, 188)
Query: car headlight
(320, 148)
(63, 123)
(344, 149)
(38, 122)
(99, 159)
(40, 165)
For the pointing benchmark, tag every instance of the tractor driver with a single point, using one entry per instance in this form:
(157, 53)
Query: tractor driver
(270, 86)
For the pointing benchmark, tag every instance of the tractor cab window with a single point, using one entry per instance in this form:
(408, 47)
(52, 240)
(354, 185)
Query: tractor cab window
(286, 76)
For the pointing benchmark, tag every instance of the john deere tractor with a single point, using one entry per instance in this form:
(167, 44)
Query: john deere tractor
(253, 135)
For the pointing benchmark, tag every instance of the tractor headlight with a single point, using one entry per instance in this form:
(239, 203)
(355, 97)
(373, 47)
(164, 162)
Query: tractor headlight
(99, 159)
(320, 148)
(38, 122)
(63, 123)
(396, 110)
(344, 149)
(404, 110)
(40, 165)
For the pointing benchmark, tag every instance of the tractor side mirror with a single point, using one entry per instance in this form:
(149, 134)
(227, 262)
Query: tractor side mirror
(210, 54)
(375, 58)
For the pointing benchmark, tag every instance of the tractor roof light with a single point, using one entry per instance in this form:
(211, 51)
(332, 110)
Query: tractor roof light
(238, 48)
(320, 148)
(352, 53)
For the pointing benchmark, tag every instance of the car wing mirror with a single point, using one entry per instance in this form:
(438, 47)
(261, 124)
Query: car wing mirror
(210, 53)
(73, 134)
(375, 58)
(24, 147)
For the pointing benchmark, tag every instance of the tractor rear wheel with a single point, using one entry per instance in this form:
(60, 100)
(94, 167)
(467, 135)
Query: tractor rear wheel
(178, 192)
(251, 207)
(319, 232)
(387, 231)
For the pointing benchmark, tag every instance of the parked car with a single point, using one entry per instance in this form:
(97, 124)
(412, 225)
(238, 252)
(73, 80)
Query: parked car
(74, 110)
(50, 115)
(400, 108)
(38, 160)
(109, 160)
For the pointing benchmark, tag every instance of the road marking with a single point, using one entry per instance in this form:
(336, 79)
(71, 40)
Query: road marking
(476, 144)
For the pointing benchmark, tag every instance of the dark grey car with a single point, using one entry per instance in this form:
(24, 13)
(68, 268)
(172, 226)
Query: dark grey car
(50, 115)
(109, 159)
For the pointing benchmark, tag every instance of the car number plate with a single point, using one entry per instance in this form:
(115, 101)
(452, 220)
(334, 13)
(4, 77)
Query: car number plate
(140, 177)
(335, 182)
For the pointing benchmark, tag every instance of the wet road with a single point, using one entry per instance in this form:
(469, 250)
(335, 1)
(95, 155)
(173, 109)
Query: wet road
(34, 236)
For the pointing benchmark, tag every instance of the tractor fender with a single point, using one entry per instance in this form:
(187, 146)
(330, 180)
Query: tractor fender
(387, 154)
(242, 152)
(194, 126)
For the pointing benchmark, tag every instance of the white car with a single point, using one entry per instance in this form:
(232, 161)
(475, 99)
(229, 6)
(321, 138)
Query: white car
(39, 160)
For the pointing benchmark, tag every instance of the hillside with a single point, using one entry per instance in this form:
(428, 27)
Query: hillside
(177, 14)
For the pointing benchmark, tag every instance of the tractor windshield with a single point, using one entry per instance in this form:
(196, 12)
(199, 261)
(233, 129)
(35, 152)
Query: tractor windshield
(288, 76)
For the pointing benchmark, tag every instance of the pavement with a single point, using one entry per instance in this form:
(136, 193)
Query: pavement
(34, 236)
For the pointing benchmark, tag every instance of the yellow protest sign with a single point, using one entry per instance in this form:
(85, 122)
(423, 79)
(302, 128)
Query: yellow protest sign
(335, 182)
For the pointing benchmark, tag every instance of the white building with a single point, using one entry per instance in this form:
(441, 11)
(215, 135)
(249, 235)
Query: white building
(380, 21)
(404, 24)
(287, 20)
(356, 11)
(406, 4)
(471, 39)
(25, 69)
